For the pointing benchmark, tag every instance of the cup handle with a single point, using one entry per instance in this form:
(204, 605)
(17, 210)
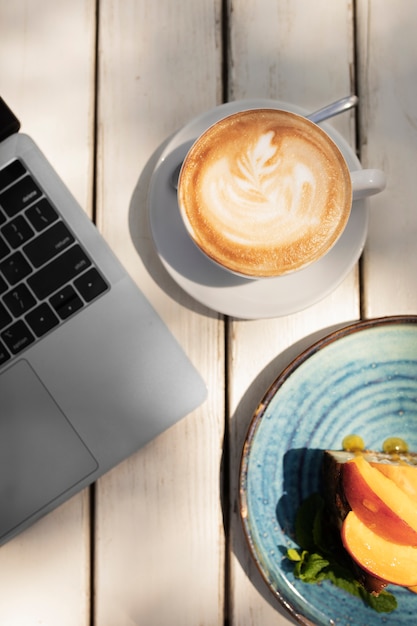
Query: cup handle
(367, 183)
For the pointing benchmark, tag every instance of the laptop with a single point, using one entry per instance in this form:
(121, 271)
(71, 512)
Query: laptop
(89, 373)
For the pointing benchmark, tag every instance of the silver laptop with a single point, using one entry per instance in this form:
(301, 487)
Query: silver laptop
(88, 371)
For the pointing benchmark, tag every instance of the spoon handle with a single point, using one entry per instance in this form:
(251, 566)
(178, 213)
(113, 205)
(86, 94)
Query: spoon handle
(344, 104)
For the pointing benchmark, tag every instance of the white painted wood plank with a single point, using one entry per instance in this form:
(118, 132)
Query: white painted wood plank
(47, 80)
(302, 53)
(293, 52)
(387, 53)
(47, 568)
(160, 547)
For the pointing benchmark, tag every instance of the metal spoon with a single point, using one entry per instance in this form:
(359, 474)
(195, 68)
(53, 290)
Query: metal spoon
(344, 104)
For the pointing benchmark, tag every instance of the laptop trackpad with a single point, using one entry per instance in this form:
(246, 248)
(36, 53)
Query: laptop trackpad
(41, 455)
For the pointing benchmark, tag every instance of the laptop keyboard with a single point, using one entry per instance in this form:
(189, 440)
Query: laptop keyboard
(45, 275)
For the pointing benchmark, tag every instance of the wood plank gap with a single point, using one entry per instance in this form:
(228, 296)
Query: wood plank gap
(225, 23)
(226, 486)
(357, 90)
(95, 121)
(356, 87)
(226, 495)
(92, 555)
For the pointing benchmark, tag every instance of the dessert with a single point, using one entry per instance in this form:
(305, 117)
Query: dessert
(370, 497)
(361, 531)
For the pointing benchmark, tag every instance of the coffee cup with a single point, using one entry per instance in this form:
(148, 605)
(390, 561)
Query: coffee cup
(265, 192)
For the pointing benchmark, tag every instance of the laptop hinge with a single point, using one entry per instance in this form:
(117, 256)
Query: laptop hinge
(9, 124)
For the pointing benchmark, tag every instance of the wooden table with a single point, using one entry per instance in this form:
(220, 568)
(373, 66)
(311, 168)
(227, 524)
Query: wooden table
(100, 85)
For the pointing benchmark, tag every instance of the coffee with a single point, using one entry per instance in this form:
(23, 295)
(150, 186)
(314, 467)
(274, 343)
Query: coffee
(264, 192)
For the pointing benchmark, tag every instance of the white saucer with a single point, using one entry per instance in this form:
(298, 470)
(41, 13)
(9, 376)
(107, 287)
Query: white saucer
(217, 288)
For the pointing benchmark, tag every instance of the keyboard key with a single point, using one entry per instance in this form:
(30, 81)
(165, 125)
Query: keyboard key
(3, 285)
(5, 317)
(47, 245)
(19, 300)
(42, 319)
(3, 218)
(15, 268)
(41, 215)
(17, 337)
(66, 302)
(4, 248)
(58, 272)
(11, 173)
(90, 285)
(19, 196)
(17, 232)
(4, 354)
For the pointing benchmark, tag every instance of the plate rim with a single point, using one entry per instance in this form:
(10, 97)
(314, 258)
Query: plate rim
(256, 419)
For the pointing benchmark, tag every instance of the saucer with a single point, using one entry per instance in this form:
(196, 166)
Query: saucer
(217, 288)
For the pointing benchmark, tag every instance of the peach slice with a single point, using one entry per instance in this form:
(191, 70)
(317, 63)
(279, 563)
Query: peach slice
(379, 502)
(384, 559)
(404, 476)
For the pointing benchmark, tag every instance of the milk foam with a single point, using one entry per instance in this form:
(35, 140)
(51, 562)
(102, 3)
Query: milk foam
(261, 195)
(263, 192)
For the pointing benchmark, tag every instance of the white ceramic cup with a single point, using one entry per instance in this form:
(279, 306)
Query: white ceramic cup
(265, 192)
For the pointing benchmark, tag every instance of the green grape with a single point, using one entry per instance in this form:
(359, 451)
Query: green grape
(395, 445)
(353, 443)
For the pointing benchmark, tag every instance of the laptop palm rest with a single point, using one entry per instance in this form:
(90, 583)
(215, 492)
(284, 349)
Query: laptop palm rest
(41, 455)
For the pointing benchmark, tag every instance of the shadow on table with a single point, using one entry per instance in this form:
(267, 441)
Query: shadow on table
(141, 235)
(240, 421)
(175, 246)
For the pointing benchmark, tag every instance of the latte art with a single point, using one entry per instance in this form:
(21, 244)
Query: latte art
(264, 192)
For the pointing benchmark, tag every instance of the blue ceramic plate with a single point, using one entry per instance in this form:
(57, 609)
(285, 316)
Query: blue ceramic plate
(361, 379)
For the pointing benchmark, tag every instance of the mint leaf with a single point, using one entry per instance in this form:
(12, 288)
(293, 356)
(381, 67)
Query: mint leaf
(311, 567)
(384, 603)
(293, 554)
